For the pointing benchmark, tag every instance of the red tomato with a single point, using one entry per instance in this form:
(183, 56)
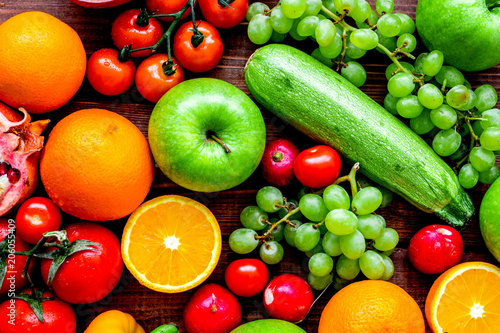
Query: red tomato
(87, 276)
(205, 56)
(125, 31)
(288, 297)
(246, 277)
(317, 167)
(15, 263)
(36, 216)
(167, 7)
(107, 75)
(17, 316)
(151, 80)
(224, 17)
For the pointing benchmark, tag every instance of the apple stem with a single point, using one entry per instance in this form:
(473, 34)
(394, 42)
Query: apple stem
(219, 141)
(277, 156)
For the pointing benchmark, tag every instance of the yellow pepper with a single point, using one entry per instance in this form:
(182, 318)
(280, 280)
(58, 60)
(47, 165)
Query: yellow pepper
(114, 321)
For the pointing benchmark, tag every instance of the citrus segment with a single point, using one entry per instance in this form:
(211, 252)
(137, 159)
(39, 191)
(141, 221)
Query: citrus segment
(171, 243)
(465, 299)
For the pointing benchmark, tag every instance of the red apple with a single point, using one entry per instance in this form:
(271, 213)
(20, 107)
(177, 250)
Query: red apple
(212, 309)
(99, 3)
(435, 248)
(277, 162)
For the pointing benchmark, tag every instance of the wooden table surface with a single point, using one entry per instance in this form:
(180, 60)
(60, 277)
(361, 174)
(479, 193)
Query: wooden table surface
(152, 308)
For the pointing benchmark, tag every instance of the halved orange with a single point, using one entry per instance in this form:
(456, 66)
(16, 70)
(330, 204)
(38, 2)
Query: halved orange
(465, 299)
(171, 243)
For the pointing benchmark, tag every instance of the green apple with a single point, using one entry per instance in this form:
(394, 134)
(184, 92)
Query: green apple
(268, 326)
(489, 219)
(207, 135)
(466, 31)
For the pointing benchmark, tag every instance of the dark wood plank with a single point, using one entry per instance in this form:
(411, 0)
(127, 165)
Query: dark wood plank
(151, 308)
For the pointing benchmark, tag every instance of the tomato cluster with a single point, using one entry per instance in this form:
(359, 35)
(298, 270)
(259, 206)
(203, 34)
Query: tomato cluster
(197, 46)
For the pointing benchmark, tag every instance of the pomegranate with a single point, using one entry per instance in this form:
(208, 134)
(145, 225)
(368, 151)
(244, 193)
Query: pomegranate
(277, 162)
(20, 145)
(99, 3)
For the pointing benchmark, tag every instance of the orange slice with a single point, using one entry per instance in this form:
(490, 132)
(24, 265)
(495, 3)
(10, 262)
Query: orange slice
(465, 299)
(171, 243)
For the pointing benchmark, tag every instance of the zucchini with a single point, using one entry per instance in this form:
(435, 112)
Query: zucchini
(322, 104)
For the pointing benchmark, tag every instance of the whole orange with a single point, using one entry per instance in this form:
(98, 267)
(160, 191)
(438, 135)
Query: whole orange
(96, 165)
(42, 62)
(372, 306)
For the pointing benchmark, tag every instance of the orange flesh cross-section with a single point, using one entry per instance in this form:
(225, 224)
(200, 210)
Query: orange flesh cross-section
(172, 222)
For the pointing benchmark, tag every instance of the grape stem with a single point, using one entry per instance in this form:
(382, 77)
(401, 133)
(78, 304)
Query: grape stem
(275, 224)
(351, 178)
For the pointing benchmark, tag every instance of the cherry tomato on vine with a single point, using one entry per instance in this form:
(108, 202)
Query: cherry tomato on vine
(317, 167)
(203, 57)
(246, 277)
(224, 16)
(151, 80)
(125, 31)
(167, 7)
(36, 216)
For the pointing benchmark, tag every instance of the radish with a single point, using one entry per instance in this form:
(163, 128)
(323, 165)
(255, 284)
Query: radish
(277, 162)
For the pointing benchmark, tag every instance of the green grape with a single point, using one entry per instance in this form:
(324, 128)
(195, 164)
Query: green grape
(303, 191)
(333, 50)
(320, 264)
(490, 138)
(352, 51)
(271, 252)
(293, 8)
(389, 25)
(362, 11)
(419, 62)
(243, 241)
(322, 229)
(279, 21)
(487, 97)
(260, 29)
(477, 128)
(347, 268)
(331, 244)
(307, 26)
(317, 249)
(452, 76)
(353, 245)
(316, 54)
(401, 84)
(367, 200)
(370, 226)
(389, 42)
(319, 283)
(390, 103)
(389, 268)
(471, 103)
(444, 117)
(354, 73)
(345, 6)
(325, 33)
(407, 24)
(481, 159)
(492, 118)
(457, 96)
(321, 17)
(253, 217)
(364, 39)
(269, 199)
(387, 240)
(329, 5)
(307, 237)
(446, 142)
(256, 8)
(289, 232)
(432, 63)
(291, 205)
(278, 232)
(313, 7)
(468, 176)
(409, 106)
(293, 31)
(384, 6)
(489, 176)
(372, 265)
(373, 19)
(312, 207)
(430, 96)
(381, 218)
(462, 151)
(334, 196)
(409, 41)
(341, 221)
(277, 37)
(392, 68)
(423, 123)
